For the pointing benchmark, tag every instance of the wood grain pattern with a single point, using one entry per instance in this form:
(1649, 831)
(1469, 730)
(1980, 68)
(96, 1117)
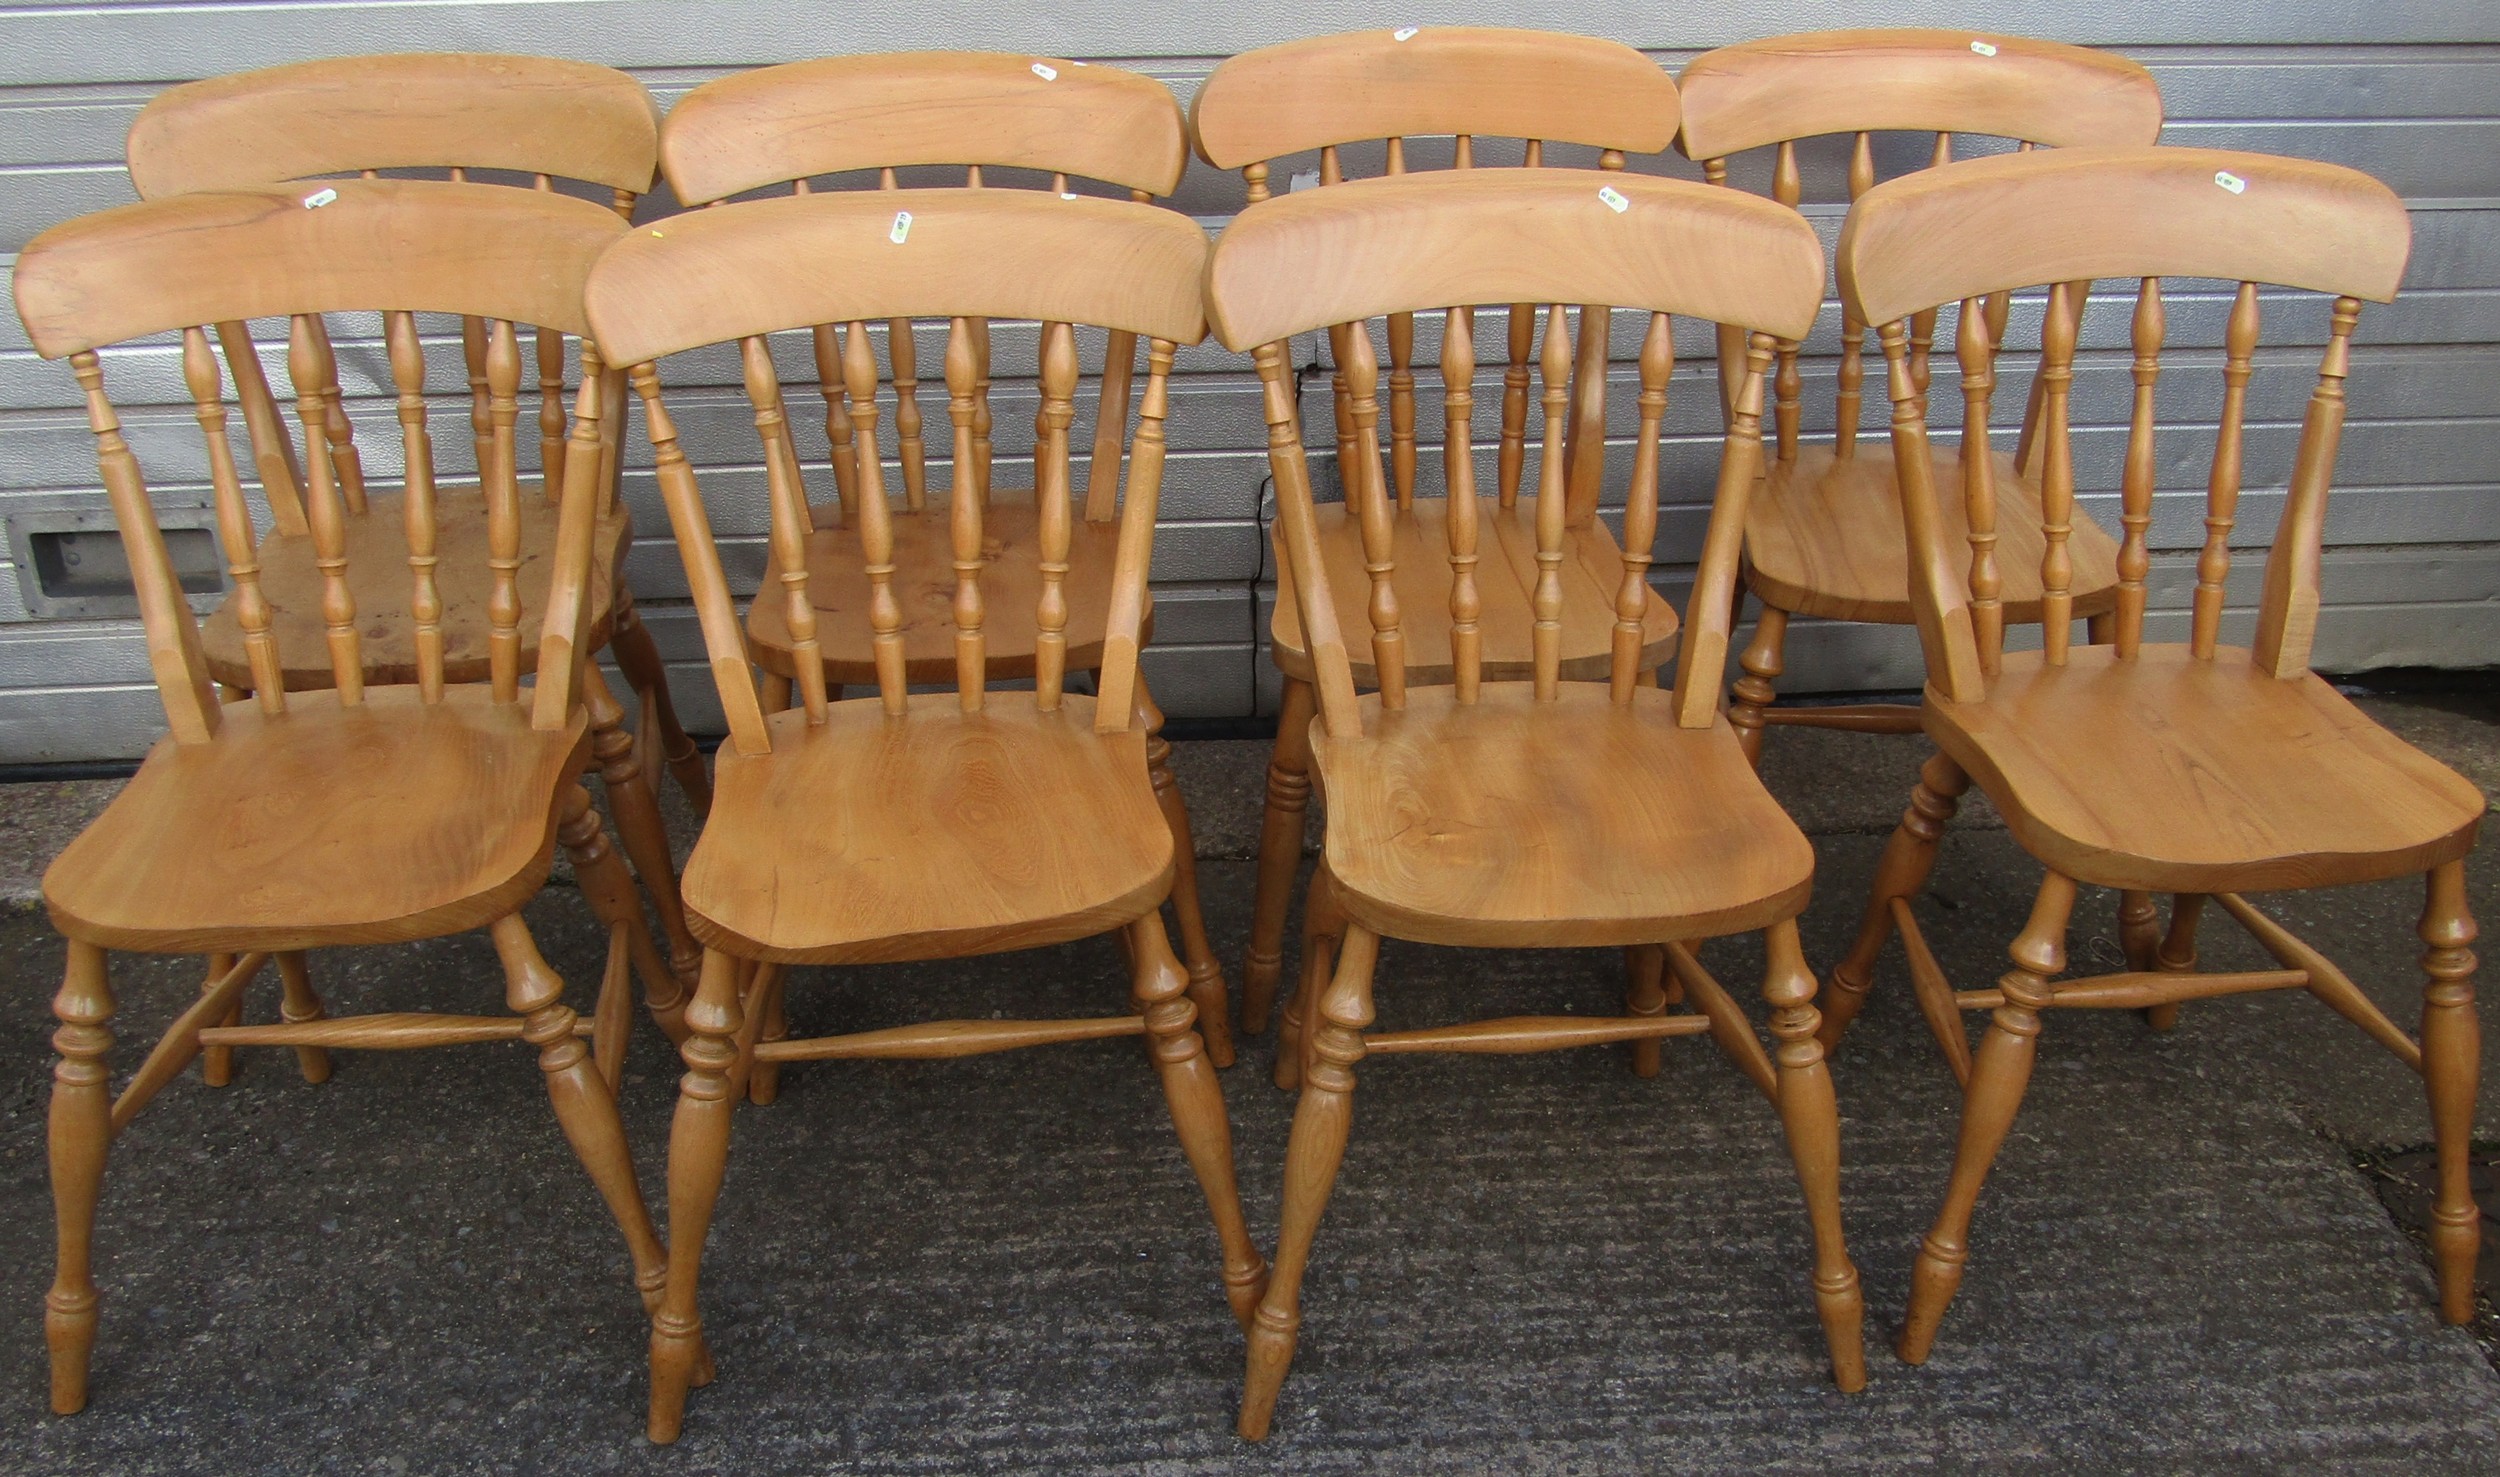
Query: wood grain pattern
(1327, 90)
(896, 109)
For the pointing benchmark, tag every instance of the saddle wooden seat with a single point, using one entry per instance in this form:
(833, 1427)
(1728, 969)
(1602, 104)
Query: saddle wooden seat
(2235, 780)
(1592, 568)
(324, 825)
(1823, 538)
(377, 553)
(902, 854)
(1510, 823)
(924, 588)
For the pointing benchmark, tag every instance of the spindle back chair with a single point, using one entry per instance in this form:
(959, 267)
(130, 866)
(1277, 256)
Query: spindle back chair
(902, 825)
(538, 122)
(1560, 809)
(371, 812)
(980, 112)
(2194, 767)
(1483, 87)
(1825, 539)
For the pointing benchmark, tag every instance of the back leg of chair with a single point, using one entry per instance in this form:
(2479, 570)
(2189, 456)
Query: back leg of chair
(301, 1004)
(698, 1155)
(1811, 1117)
(2139, 938)
(1206, 976)
(609, 889)
(1313, 1152)
(217, 1062)
(2452, 1055)
(1280, 853)
(1323, 924)
(1645, 993)
(1159, 991)
(81, 1130)
(638, 657)
(1908, 858)
(638, 822)
(764, 1078)
(2000, 1070)
(1757, 689)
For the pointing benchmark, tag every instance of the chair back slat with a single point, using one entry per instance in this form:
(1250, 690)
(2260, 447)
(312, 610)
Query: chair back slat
(1545, 598)
(2072, 216)
(1368, 497)
(1054, 507)
(2287, 608)
(1640, 512)
(724, 643)
(963, 370)
(234, 522)
(273, 449)
(1116, 687)
(481, 402)
(1851, 374)
(1458, 466)
(2135, 515)
(338, 433)
(876, 518)
(1788, 188)
(788, 522)
(838, 432)
(1102, 464)
(2078, 301)
(1511, 464)
(502, 483)
(310, 367)
(2222, 486)
(1709, 612)
(1975, 345)
(425, 603)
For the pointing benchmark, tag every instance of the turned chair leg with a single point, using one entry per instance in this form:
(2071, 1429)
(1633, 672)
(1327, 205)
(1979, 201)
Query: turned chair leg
(764, 1078)
(1907, 860)
(698, 1155)
(1206, 976)
(2452, 1055)
(1645, 992)
(1159, 990)
(1999, 1072)
(1323, 923)
(2174, 952)
(302, 1004)
(1757, 689)
(1280, 854)
(609, 889)
(638, 823)
(81, 1130)
(584, 1105)
(1312, 1153)
(638, 657)
(1811, 1118)
(217, 1062)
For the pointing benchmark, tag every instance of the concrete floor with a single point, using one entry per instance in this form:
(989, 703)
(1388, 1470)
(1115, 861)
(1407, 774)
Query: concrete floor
(1531, 1264)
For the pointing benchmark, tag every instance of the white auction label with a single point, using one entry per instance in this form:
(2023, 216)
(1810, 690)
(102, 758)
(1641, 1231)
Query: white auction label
(1613, 198)
(902, 228)
(1984, 48)
(2230, 181)
(319, 198)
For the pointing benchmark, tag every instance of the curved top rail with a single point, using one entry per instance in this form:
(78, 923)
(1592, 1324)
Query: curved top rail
(761, 266)
(219, 256)
(1431, 80)
(778, 124)
(1765, 92)
(430, 110)
(1366, 247)
(2064, 215)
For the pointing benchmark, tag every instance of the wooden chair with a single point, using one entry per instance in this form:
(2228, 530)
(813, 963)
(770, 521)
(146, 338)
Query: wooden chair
(2196, 768)
(933, 825)
(1824, 538)
(974, 110)
(538, 120)
(371, 813)
(1483, 87)
(1555, 810)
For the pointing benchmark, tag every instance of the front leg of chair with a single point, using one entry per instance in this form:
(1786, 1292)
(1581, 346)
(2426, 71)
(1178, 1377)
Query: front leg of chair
(1811, 1118)
(1159, 990)
(1323, 923)
(2452, 1055)
(609, 889)
(1312, 1154)
(1206, 977)
(638, 822)
(1908, 858)
(1280, 854)
(1758, 689)
(698, 1155)
(638, 657)
(302, 1004)
(584, 1104)
(81, 1130)
(2000, 1070)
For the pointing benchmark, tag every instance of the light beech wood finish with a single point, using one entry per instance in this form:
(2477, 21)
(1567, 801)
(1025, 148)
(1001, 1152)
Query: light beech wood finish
(266, 826)
(1327, 93)
(1549, 811)
(538, 121)
(2197, 769)
(1825, 539)
(932, 825)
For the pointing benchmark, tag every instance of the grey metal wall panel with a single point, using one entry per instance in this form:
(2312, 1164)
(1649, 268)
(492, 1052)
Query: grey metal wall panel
(2410, 93)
